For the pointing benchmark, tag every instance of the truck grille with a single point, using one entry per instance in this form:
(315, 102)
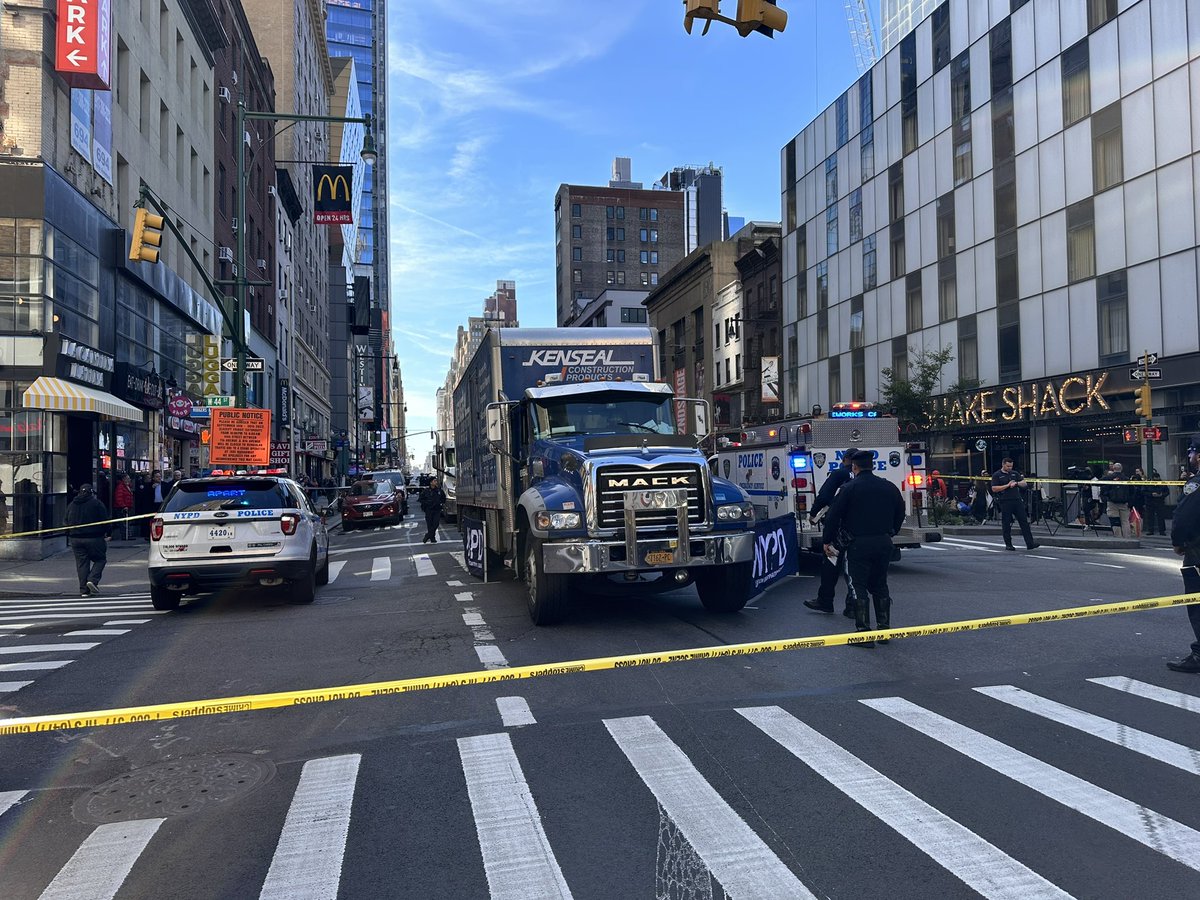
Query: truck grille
(614, 482)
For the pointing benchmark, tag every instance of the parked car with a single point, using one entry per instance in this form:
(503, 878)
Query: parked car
(233, 531)
(370, 503)
(399, 485)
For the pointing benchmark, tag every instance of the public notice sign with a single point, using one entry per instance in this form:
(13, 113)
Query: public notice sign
(83, 44)
(240, 437)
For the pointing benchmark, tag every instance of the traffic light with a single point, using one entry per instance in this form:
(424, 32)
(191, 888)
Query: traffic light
(762, 16)
(147, 237)
(700, 9)
(1142, 402)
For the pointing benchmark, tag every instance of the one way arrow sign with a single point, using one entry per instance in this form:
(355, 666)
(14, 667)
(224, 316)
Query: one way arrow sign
(253, 364)
(1140, 374)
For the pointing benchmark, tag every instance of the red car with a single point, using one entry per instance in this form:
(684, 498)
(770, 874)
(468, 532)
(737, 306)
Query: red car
(370, 503)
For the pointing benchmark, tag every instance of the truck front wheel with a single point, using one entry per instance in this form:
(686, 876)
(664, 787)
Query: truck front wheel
(547, 593)
(725, 588)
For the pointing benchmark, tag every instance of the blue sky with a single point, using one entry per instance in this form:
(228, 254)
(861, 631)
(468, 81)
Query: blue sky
(494, 103)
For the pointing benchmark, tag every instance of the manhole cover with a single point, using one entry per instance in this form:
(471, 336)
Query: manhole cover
(176, 788)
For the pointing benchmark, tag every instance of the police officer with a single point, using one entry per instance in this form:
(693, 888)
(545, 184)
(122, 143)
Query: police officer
(831, 571)
(1185, 537)
(869, 510)
(1006, 492)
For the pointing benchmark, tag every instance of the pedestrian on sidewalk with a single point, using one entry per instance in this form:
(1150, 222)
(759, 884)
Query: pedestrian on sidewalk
(1008, 486)
(433, 498)
(1116, 498)
(123, 502)
(1185, 538)
(1155, 500)
(832, 570)
(88, 538)
(3, 510)
(979, 503)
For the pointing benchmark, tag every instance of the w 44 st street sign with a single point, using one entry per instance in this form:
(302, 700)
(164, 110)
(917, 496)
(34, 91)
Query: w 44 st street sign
(253, 364)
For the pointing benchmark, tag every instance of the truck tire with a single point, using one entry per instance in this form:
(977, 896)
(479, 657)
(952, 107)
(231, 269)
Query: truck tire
(724, 589)
(163, 599)
(547, 593)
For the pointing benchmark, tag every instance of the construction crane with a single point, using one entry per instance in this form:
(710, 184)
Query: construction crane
(862, 35)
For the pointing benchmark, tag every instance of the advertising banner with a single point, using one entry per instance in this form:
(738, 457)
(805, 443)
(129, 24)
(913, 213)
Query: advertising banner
(240, 437)
(776, 551)
(102, 134)
(81, 123)
(331, 195)
(680, 408)
(474, 546)
(770, 379)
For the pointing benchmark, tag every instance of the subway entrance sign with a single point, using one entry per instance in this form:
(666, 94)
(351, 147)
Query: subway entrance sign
(240, 437)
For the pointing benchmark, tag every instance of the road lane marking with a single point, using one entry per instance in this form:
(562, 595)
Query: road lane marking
(966, 855)
(454, 584)
(1104, 565)
(1169, 752)
(424, 565)
(307, 864)
(127, 622)
(515, 712)
(10, 687)
(517, 857)
(46, 648)
(335, 569)
(99, 614)
(1153, 829)
(381, 568)
(72, 600)
(490, 656)
(124, 606)
(96, 632)
(102, 862)
(9, 799)
(934, 547)
(460, 559)
(473, 617)
(479, 628)
(464, 597)
(733, 853)
(1178, 699)
(35, 666)
(1035, 556)
(16, 626)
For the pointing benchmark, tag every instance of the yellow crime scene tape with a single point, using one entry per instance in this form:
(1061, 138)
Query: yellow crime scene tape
(221, 706)
(1084, 481)
(6, 537)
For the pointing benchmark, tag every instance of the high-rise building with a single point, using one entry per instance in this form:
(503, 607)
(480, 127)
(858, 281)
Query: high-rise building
(502, 305)
(703, 209)
(899, 17)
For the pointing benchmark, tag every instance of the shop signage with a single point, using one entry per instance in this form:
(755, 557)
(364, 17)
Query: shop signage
(184, 426)
(680, 408)
(83, 43)
(283, 403)
(240, 437)
(1033, 401)
(281, 454)
(331, 195)
(140, 387)
(316, 446)
(78, 362)
(211, 365)
(180, 405)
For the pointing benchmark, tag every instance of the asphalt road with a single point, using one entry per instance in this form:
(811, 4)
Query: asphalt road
(991, 763)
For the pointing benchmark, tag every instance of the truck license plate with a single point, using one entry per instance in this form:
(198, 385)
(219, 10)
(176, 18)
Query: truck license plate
(220, 533)
(660, 558)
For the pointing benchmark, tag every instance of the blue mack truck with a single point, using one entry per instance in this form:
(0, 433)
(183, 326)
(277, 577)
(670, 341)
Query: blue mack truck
(576, 457)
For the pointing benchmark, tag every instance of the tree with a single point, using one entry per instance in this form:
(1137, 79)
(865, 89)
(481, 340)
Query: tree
(909, 393)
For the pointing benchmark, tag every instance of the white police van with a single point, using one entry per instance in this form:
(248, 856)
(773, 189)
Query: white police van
(231, 531)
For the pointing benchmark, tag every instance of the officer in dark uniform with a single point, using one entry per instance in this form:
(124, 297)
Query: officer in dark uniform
(868, 510)
(1185, 537)
(1006, 492)
(831, 571)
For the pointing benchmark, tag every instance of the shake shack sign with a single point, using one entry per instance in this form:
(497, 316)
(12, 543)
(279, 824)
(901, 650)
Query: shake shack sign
(1031, 401)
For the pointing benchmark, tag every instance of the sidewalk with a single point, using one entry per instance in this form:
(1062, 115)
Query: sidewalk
(1064, 537)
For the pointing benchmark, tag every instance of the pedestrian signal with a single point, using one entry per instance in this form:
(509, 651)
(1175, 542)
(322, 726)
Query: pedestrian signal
(147, 236)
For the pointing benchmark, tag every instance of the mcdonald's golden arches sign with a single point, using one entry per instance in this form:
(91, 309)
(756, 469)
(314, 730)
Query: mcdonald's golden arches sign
(331, 195)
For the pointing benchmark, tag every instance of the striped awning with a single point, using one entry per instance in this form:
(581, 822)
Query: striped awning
(55, 393)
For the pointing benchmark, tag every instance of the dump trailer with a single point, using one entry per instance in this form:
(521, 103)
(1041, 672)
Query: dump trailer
(587, 471)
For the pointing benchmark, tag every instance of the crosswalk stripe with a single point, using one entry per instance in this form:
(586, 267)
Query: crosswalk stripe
(72, 599)
(99, 614)
(733, 853)
(1178, 699)
(335, 569)
(126, 622)
(967, 856)
(490, 656)
(102, 862)
(517, 857)
(8, 687)
(308, 859)
(46, 648)
(1154, 830)
(381, 568)
(1169, 752)
(424, 564)
(35, 666)
(515, 711)
(96, 632)
(9, 799)
(460, 558)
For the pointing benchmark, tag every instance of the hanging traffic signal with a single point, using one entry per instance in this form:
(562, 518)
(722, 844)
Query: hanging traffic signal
(147, 236)
(762, 16)
(700, 9)
(1142, 403)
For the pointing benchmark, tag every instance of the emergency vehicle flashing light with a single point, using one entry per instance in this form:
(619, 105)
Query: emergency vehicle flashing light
(801, 463)
(916, 479)
(857, 409)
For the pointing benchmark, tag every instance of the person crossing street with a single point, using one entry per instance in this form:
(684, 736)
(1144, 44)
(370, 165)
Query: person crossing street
(88, 538)
(831, 571)
(1185, 538)
(432, 499)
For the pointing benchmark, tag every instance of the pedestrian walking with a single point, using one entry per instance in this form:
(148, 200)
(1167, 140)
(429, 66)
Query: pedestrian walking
(123, 502)
(3, 510)
(1185, 538)
(432, 499)
(1155, 501)
(831, 571)
(866, 512)
(1116, 497)
(1007, 487)
(88, 538)
(979, 503)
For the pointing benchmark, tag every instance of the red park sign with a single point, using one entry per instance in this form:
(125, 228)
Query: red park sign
(83, 43)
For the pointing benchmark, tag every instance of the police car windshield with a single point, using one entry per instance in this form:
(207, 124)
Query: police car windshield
(598, 415)
(197, 496)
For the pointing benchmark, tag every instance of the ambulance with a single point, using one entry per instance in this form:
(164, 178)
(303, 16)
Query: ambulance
(783, 465)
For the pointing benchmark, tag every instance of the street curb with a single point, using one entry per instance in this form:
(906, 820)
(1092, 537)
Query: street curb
(1047, 540)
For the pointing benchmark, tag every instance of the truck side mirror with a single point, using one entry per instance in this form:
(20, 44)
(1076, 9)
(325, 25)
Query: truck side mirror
(495, 426)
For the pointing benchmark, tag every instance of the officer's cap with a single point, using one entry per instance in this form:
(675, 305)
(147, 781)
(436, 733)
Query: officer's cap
(850, 451)
(1194, 443)
(862, 457)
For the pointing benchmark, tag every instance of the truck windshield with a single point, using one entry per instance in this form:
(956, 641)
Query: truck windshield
(596, 415)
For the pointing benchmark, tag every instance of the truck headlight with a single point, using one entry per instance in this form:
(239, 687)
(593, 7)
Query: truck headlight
(557, 521)
(736, 512)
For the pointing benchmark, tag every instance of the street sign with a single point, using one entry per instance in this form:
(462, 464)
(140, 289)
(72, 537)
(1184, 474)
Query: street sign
(217, 400)
(253, 364)
(1148, 359)
(83, 43)
(1139, 374)
(316, 446)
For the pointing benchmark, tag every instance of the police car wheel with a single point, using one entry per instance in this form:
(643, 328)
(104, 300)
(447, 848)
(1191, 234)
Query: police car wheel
(547, 593)
(724, 589)
(163, 599)
(304, 589)
(323, 572)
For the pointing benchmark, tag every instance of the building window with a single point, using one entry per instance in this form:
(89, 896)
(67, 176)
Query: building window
(642, 213)
(856, 322)
(963, 165)
(645, 257)
(896, 192)
(1113, 312)
(654, 235)
(842, 120)
(856, 223)
(822, 333)
(960, 86)
(868, 153)
(858, 375)
(897, 249)
(577, 253)
(654, 257)
(728, 373)
(908, 64)
(908, 122)
(831, 231)
(577, 232)
(1008, 341)
(1004, 145)
(621, 253)
(654, 278)
(610, 233)
(801, 249)
(968, 351)
(866, 101)
(737, 367)
(611, 256)
(947, 290)
(610, 277)
(620, 212)
(609, 212)
(1099, 12)
(870, 268)
(822, 285)
(653, 214)
(945, 225)
(577, 276)
(1001, 51)
(790, 198)
(645, 279)
(802, 295)
(1076, 83)
(831, 180)
(1107, 161)
(620, 276)
(1007, 286)
(1081, 241)
(912, 302)
(1005, 188)
(835, 380)
(792, 361)
(575, 211)
(620, 235)
(941, 36)
(899, 358)
(643, 234)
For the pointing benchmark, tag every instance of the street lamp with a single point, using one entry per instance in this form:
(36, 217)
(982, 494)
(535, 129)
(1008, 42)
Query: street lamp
(369, 154)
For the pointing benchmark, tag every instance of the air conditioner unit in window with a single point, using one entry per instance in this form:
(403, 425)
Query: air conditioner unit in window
(223, 94)
(233, 76)
(225, 254)
(272, 191)
(233, 223)
(262, 264)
